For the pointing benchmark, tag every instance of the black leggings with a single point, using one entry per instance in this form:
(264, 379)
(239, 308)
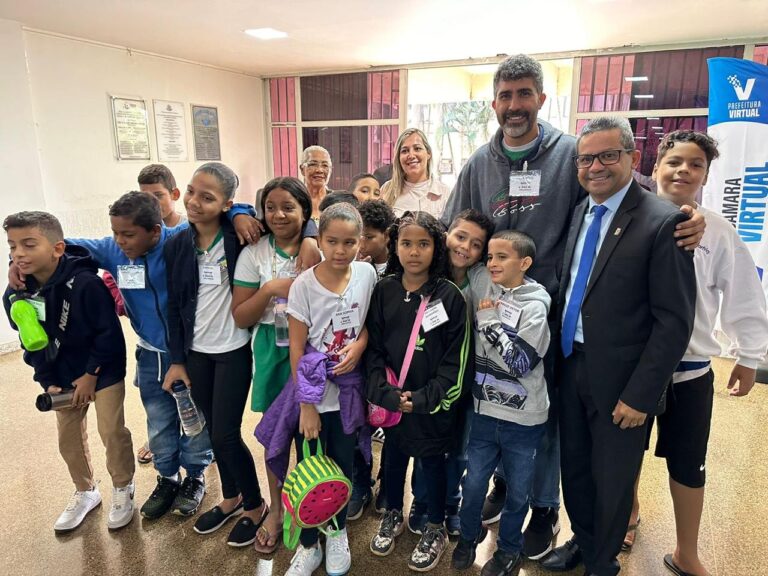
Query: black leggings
(220, 386)
(395, 469)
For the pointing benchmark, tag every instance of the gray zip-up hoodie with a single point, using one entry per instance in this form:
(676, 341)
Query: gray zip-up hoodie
(483, 184)
(509, 378)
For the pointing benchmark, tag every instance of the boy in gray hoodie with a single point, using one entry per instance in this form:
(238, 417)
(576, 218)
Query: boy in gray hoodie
(510, 396)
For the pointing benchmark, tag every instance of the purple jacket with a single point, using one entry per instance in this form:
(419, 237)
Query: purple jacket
(280, 422)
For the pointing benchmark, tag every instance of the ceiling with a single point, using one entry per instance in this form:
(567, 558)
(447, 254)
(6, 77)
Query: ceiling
(355, 34)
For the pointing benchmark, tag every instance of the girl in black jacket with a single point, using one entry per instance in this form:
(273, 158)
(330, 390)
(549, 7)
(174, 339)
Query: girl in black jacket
(435, 381)
(208, 351)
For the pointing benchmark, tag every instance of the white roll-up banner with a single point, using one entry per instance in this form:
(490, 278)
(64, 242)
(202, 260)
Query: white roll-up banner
(737, 187)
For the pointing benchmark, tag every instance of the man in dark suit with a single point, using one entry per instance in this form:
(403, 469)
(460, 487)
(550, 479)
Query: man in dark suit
(627, 301)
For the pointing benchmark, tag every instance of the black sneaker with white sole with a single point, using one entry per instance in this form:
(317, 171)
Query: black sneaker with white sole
(502, 564)
(190, 496)
(215, 518)
(494, 502)
(538, 536)
(426, 556)
(390, 527)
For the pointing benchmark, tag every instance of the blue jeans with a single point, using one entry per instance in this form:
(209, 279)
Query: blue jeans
(492, 440)
(455, 466)
(545, 492)
(395, 468)
(169, 445)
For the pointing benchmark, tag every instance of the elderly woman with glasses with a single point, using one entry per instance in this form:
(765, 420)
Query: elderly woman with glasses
(316, 169)
(413, 186)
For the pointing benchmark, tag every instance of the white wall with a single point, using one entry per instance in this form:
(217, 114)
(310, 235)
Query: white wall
(438, 85)
(56, 142)
(21, 187)
(70, 84)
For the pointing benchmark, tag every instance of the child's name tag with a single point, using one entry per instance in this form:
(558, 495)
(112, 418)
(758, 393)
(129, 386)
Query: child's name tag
(39, 305)
(509, 313)
(524, 183)
(130, 277)
(434, 316)
(345, 319)
(210, 274)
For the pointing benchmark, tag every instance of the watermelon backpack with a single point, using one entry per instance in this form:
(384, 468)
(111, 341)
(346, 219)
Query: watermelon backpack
(313, 493)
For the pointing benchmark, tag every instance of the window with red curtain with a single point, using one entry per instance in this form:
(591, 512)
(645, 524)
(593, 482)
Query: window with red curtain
(761, 54)
(357, 97)
(648, 80)
(282, 105)
(648, 134)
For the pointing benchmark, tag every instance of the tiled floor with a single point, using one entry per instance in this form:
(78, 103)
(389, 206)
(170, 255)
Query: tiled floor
(35, 486)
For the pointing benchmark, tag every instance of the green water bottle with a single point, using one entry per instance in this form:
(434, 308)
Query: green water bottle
(33, 336)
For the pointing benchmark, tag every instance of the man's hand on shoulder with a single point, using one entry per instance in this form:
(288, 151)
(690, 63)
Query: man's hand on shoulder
(690, 232)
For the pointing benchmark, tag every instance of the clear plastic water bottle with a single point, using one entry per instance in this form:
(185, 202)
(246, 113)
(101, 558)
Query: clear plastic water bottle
(192, 420)
(281, 322)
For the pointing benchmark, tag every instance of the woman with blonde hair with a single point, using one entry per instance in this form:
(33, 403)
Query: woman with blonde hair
(413, 188)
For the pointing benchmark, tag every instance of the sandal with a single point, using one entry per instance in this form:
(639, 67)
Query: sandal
(629, 538)
(272, 540)
(144, 455)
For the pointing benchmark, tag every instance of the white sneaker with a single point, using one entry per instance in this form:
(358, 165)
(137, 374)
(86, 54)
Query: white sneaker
(305, 561)
(338, 560)
(77, 509)
(121, 511)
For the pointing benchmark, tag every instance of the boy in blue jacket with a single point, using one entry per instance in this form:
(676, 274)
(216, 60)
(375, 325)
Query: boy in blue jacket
(86, 351)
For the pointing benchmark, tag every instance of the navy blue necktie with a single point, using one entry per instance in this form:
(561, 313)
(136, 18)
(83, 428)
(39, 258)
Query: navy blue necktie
(580, 282)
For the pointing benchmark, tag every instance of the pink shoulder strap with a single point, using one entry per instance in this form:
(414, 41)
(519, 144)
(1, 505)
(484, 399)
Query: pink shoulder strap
(412, 342)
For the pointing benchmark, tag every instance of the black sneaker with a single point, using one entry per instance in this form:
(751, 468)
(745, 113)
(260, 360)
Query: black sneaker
(494, 502)
(190, 496)
(358, 502)
(417, 518)
(452, 521)
(391, 526)
(161, 499)
(429, 550)
(502, 564)
(464, 554)
(542, 528)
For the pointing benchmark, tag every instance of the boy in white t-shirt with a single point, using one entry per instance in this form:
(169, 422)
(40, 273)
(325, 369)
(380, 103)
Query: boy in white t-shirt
(728, 284)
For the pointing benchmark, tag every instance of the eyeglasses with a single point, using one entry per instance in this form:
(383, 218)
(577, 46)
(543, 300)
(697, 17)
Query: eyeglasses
(606, 157)
(314, 165)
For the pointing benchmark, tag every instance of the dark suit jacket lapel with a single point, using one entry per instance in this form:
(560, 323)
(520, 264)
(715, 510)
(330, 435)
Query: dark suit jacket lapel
(573, 234)
(614, 234)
